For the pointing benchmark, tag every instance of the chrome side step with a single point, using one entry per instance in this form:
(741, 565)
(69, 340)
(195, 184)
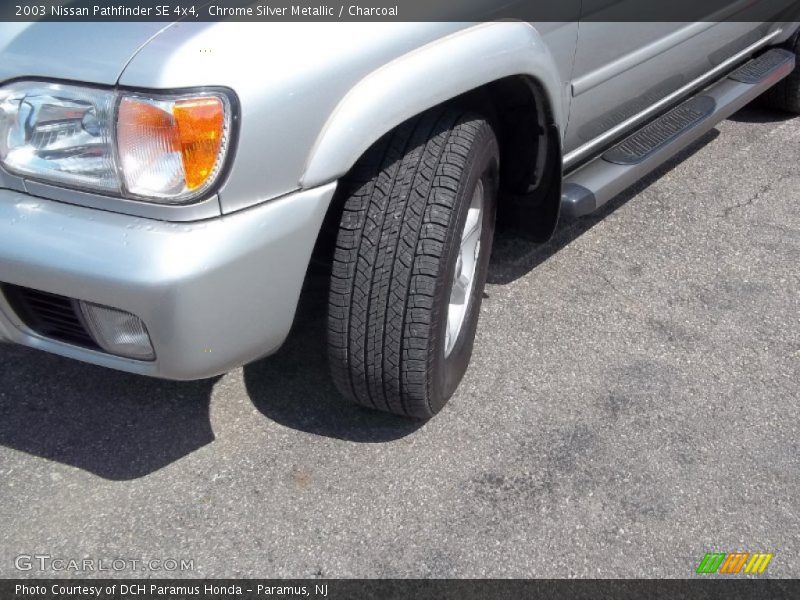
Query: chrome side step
(597, 182)
(657, 134)
(762, 67)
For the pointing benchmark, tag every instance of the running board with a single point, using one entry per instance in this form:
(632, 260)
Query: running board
(589, 187)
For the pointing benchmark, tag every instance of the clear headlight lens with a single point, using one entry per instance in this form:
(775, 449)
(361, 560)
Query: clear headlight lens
(162, 148)
(59, 133)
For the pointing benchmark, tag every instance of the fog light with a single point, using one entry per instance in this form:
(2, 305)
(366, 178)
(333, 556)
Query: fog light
(118, 332)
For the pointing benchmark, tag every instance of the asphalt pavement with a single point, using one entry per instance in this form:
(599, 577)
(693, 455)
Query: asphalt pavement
(632, 404)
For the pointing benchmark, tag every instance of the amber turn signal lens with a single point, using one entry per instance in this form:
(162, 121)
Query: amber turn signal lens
(199, 122)
(170, 148)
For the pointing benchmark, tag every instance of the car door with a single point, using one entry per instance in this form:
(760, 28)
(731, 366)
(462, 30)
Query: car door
(622, 69)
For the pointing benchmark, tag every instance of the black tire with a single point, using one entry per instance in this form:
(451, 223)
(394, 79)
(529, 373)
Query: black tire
(785, 95)
(405, 206)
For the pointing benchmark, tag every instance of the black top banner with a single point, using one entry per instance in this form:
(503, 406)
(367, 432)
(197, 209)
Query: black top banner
(401, 10)
(388, 589)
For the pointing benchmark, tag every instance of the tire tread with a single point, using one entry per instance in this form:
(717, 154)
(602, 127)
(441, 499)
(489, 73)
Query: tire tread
(399, 203)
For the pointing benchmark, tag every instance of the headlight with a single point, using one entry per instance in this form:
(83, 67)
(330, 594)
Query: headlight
(59, 133)
(160, 148)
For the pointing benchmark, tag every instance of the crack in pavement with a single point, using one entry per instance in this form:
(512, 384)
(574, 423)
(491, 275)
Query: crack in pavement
(752, 199)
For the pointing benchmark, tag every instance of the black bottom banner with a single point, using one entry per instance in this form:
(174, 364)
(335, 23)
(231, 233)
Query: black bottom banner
(417, 589)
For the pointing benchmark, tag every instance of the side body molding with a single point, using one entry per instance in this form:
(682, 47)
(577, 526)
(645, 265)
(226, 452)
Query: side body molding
(423, 78)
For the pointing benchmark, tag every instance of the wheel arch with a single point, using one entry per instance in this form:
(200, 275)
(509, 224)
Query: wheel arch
(503, 69)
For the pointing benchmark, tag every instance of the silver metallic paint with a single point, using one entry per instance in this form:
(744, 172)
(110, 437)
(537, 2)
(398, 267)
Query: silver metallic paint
(288, 77)
(426, 77)
(218, 291)
(592, 146)
(214, 294)
(601, 180)
(207, 208)
(81, 52)
(315, 95)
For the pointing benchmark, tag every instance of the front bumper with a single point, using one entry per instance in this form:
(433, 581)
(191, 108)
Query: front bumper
(213, 294)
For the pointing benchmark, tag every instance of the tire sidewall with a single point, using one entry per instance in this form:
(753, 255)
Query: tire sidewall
(447, 371)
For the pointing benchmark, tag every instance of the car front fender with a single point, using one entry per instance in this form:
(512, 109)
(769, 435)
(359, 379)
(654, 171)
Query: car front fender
(423, 78)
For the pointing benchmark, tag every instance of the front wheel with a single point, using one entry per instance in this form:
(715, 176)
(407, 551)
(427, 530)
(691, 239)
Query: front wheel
(410, 263)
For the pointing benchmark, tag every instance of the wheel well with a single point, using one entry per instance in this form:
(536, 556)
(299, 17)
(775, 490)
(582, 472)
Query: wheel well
(530, 151)
(530, 158)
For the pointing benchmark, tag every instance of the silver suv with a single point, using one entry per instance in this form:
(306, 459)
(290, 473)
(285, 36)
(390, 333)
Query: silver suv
(163, 185)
